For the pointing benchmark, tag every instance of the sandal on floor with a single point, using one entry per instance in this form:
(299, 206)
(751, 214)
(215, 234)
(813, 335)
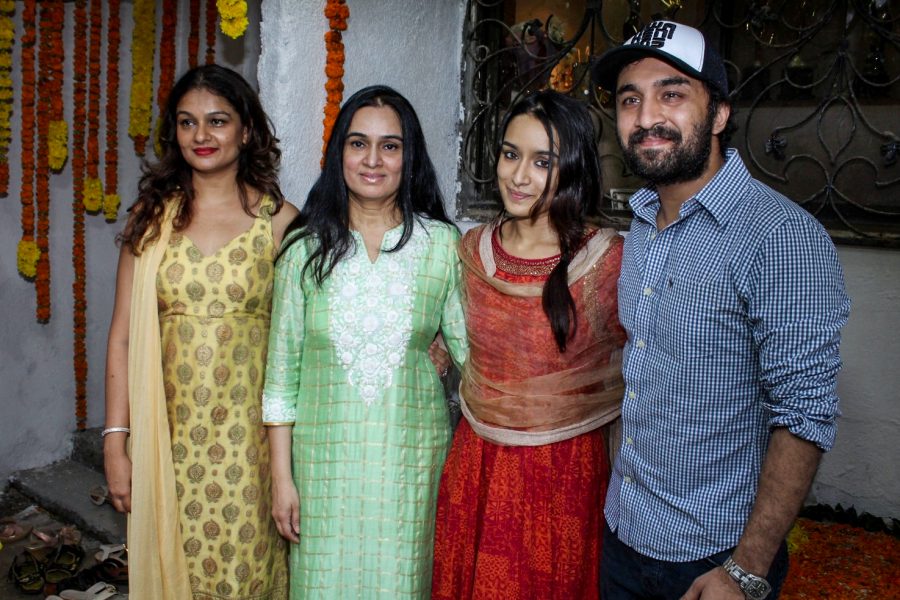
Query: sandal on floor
(107, 550)
(101, 591)
(113, 569)
(25, 572)
(11, 531)
(63, 563)
(99, 494)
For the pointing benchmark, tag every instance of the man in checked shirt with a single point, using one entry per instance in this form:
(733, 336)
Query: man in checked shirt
(733, 300)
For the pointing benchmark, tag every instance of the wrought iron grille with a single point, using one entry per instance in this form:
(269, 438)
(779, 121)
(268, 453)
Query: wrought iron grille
(815, 89)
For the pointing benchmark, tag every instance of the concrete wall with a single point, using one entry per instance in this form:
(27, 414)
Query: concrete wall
(862, 469)
(410, 45)
(417, 51)
(37, 388)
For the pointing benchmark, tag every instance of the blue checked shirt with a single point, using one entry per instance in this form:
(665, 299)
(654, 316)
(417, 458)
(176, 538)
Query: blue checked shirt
(733, 314)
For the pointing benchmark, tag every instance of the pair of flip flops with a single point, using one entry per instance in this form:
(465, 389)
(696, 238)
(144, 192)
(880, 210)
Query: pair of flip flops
(99, 591)
(111, 567)
(35, 568)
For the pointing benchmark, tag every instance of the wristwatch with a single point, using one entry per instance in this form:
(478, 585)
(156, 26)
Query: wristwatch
(754, 588)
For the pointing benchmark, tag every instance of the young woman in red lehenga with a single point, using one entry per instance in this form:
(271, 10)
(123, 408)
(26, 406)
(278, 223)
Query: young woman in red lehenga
(520, 508)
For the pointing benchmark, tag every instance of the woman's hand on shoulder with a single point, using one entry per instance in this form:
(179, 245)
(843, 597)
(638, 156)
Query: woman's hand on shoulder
(281, 220)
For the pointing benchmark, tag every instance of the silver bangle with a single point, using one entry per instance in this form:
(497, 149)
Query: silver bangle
(109, 430)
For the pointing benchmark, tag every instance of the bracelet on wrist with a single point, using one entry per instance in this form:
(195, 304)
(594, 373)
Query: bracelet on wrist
(109, 430)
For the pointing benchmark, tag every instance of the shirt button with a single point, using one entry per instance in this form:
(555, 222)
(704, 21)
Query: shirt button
(629, 441)
(626, 479)
(632, 395)
(648, 291)
(640, 344)
(653, 236)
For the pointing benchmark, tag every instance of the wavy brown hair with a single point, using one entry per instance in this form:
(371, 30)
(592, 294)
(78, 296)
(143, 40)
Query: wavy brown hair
(257, 163)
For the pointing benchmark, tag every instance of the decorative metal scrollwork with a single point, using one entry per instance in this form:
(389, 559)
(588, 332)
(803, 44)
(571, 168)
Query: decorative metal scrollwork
(815, 85)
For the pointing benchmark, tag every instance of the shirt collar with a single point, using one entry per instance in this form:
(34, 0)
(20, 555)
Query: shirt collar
(720, 196)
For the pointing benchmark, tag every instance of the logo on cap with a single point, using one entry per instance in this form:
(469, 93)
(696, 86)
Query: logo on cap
(654, 35)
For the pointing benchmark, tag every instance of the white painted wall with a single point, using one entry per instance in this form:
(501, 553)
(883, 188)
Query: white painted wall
(862, 469)
(413, 46)
(37, 387)
(416, 50)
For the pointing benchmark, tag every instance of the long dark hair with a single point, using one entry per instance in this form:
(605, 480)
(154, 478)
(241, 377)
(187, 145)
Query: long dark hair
(568, 125)
(257, 163)
(325, 216)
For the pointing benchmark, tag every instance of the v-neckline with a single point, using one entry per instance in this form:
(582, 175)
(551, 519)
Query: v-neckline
(362, 240)
(223, 246)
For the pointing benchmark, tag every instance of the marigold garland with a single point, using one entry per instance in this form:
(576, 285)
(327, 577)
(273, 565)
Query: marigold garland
(194, 36)
(93, 195)
(26, 258)
(337, 12)
(143, 42)
(211, 14)
(111, 207)
(166, 59)
(111, 156)
(7, 39)
(94, 187)
(59, 144)
(79, 263)
(52, 21)
(233, 17)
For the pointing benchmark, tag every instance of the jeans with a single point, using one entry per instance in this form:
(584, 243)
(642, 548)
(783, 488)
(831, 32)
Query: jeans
(628, 575)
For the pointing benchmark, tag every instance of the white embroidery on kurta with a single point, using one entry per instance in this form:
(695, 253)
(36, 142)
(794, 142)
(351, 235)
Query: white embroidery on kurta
(371, 314)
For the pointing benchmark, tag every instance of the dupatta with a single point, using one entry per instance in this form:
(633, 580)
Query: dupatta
(158, 565)
(555, 406)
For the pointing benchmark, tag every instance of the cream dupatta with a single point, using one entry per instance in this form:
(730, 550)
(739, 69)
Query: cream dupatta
(155, 553)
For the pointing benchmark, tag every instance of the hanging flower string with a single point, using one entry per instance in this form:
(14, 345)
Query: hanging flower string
(93, 186)
(233, 15)
(27, 253)
(58, 131)
(142, 46)
(337, 12)
(79, 266)
(166, 65)
(211, 14)
(194, 36)
(7, 39)
(52, 21)
(111, 156)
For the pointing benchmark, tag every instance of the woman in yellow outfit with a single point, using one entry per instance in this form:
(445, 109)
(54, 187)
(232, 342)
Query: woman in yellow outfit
(185, 450)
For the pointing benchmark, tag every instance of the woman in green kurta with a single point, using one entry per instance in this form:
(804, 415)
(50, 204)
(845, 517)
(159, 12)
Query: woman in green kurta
(358, 423)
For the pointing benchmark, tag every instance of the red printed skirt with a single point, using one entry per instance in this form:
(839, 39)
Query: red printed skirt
(519, 523)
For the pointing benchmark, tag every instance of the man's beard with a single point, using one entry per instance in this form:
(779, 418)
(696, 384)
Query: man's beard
(685, 161)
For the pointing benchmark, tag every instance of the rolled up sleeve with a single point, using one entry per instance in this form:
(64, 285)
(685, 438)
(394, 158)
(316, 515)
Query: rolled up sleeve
(798, 305)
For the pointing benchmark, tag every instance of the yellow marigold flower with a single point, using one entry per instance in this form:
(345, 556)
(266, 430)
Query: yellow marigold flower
(27, 256)
(796, 538)
(233, 15)
(7, 6)
(93, 195)
(58, 142)
(111, 207)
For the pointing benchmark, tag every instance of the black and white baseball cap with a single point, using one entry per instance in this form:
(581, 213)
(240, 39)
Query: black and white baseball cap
(681, 46)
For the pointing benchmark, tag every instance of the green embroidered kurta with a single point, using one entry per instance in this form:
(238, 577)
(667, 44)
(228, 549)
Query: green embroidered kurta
(348, 365)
